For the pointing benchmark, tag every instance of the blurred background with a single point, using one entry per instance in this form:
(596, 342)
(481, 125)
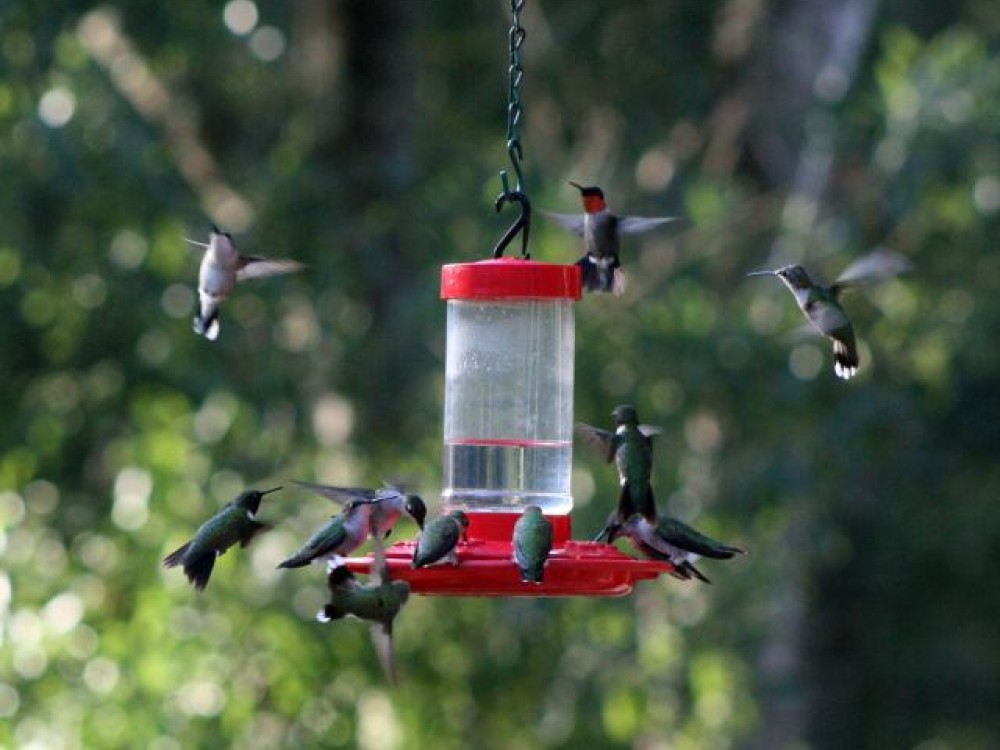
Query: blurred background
(365, 140)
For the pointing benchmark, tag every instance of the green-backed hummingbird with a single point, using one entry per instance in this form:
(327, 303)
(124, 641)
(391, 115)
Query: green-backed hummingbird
(236, 522)
(222, 266)
(341, 535)
(387, 503)
(630, 446)
(378, 602)
(600, 266)
(439, 539)
(531, 544)
(821, 304)
(673, 541)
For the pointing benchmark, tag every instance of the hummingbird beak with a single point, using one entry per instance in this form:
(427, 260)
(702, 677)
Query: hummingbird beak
(268, 492)
(762, 273)
(578, 187)
(195, 242)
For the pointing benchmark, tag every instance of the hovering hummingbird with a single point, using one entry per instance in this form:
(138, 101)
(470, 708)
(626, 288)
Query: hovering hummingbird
(377, 602)
(821, 304)
(341, 535)
(531, 544)
(673, 541)
(387, 503)
(222, 266)
(601, 230)
(439, 538)
(630, 446)
(236, 522)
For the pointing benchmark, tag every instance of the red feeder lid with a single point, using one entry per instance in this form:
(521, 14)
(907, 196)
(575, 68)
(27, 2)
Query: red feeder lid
(510, 278)
(485, 567)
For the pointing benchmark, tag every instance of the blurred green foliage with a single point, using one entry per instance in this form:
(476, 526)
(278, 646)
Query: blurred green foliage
(364, 139)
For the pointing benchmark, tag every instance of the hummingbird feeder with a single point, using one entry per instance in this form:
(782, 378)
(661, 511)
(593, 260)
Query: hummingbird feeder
(508, 415)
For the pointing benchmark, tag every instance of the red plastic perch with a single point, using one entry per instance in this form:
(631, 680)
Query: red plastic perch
(575, 568)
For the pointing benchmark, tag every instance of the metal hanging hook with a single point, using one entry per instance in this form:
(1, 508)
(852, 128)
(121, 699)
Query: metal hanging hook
(515, 111)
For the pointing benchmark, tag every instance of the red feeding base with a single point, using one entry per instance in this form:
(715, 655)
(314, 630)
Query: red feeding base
(485, 567)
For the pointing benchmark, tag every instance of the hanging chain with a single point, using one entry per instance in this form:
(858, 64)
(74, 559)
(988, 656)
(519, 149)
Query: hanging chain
(515, 38)
(514, 109)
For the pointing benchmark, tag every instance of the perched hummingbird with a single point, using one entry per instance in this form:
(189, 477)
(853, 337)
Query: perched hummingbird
(673, 541)
(630, 446)
(378, 602)
(387, 503)
(821, 304)
(236, 522)
(439, 539)
(222, 266)
(341, 535)
(601, 230)
(531, 544)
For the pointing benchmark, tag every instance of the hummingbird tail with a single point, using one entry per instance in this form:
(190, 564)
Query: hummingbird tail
(693, 571)
(177, 556)
(296, 561)
(534, 574)
(199, 569)
(598, 278)
(845, 358)
(207, 327)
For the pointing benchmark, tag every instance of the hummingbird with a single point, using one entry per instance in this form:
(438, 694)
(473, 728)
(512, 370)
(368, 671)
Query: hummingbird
(387, 503)
(673, 541)
(439, 538)
(531, 544)
(821, 304)
(341, 535)
(222, 266)
(236, 522)
(600, 267)
(377, 602)
(630, 446)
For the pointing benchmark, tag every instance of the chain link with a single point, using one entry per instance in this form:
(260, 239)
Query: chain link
(515, 112)
(514, 109)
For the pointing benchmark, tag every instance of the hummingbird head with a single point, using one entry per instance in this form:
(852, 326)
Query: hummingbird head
(794, 276)
(593, 198)
(416, 509)
(250, 500)
(463, 520)
(625, 414)
(216, 230)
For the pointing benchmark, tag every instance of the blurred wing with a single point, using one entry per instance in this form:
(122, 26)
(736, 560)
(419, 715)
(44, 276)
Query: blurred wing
(252, 267)
(572, 222)
(378, 573)
(382, 640)
(650, 430)
(874, 267)
(601, 441)
(828, 318)
(340, 495)
(639, 224)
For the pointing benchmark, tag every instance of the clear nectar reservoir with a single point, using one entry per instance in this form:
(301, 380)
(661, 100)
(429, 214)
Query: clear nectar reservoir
(508, 400)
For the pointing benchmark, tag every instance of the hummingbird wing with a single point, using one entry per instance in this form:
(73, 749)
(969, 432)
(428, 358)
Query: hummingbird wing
(601, 441)
(640, 224)
(650, 430)
(572, 222)
(378, 573)
(680, 535)
(382, 641)
(340, 495)
(878, 265)
(828, 317)
(255, 267)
